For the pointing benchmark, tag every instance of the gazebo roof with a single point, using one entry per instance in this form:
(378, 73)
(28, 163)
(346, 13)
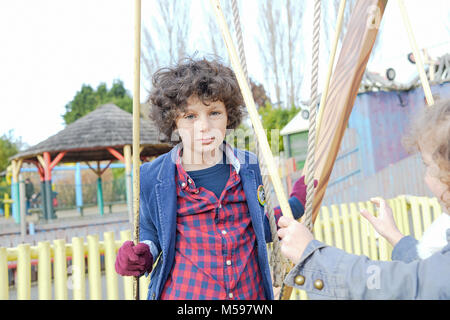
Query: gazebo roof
(88, 138)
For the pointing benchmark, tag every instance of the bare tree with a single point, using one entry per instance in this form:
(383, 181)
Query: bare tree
(280, 48)
(166, 40)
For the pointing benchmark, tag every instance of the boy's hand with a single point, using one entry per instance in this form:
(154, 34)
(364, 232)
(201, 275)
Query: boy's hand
(299, 190)
(294, 238)
(384, 224)
(133, 260)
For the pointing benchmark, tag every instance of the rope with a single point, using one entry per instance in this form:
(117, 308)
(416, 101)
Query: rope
(309, 177)
(275, 256)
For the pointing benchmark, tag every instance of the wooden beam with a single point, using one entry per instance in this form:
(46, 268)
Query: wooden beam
(116, 154)
(344, 87)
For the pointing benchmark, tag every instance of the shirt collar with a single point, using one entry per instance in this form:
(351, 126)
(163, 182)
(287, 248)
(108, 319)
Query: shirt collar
(230, 155)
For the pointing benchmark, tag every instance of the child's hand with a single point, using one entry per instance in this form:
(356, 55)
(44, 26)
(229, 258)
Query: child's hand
(384, 224)
(294, 238)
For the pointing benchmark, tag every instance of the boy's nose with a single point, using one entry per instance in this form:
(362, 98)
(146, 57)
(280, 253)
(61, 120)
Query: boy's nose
(203, 125)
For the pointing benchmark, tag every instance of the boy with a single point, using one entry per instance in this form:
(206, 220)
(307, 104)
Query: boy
(201, 209)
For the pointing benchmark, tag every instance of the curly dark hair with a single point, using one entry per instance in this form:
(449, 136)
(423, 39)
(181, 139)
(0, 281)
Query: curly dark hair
(208, 80)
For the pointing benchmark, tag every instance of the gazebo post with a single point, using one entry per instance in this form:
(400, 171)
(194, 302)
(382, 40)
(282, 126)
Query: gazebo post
(78, 189)
(16, 165)
(99, 173)
(48, 165)
(48, 187)
(126, 158)
(40, 167)
(100, 203)
(129, 181)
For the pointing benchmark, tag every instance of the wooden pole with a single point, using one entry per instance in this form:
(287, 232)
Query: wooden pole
(136, 129)
(253, 113)
(417, 55)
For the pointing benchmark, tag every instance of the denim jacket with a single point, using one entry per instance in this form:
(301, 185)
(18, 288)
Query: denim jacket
(158, 213)
(331, 273)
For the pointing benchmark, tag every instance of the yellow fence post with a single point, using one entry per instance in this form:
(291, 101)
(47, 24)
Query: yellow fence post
(111, 274)
(127, 281)
(7, 202)
(426, 212)
(60, 269)
(4, 283)
(44, 271)
(94, 274)
(318, 228)
(364, 232)
(327, 226)
(437, 210)
(415, 215)
(338, 242)
(78, 269)
(371, 230)
(143, 287)
(355, 229)
(346, 224)
(23, 272)
(404, 214)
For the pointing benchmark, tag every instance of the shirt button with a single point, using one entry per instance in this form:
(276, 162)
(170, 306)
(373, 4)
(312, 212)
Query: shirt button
(230, 295)
(183, 184)
(228, 262)
(220, 205)
(224, 232)
(196, 191)
(189, 180)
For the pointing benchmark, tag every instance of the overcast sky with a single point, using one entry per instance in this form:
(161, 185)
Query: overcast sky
(49, 48)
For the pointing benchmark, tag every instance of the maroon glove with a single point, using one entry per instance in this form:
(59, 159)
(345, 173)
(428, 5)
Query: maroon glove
(299, 190)
(133, 260)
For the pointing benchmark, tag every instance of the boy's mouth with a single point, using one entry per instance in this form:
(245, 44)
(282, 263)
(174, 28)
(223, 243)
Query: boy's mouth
(207, 140)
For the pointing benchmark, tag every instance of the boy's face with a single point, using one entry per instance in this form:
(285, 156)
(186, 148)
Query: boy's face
(202, 128)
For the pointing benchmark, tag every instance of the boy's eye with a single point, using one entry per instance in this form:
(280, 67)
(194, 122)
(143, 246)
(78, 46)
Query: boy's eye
(189, 116)
(215, 113)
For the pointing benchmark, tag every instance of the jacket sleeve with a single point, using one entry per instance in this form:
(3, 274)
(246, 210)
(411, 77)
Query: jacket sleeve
(295, 204)
(348, 276)
(148, 233)
(405, 250)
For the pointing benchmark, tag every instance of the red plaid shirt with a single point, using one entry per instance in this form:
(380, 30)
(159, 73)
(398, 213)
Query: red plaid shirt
(216, 252)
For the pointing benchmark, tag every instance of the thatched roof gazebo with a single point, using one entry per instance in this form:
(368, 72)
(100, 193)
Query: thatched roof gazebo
(91, 138)
(105, 134)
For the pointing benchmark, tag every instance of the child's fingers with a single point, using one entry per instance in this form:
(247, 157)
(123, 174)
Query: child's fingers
(281, 232)
(366, 214)
(284, 221)
(378, 201)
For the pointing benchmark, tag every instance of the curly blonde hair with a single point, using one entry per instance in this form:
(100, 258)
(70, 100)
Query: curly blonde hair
(431, 128)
